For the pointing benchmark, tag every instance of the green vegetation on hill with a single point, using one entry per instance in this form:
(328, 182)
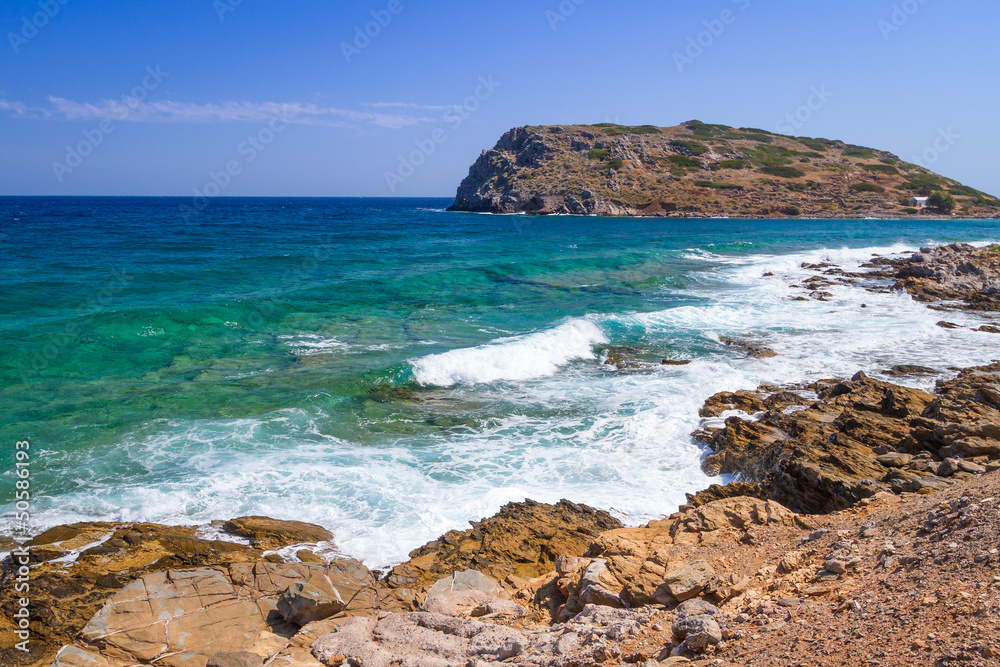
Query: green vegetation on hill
(613, 130)
(880, 168)
(702, 169)
(942, 202)
(784, 172)
(693, 147)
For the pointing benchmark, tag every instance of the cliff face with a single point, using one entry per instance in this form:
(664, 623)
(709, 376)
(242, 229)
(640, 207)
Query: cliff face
(699, 170)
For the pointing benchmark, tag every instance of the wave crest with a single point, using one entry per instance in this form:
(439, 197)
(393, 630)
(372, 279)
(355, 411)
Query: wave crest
(519, 358)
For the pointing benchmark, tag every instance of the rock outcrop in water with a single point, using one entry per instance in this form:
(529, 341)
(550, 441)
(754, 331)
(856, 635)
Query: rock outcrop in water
(964, 276)
(861, 437)
(699, 170)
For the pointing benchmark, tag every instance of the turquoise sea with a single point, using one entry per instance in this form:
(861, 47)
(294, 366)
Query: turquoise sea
(391, 371)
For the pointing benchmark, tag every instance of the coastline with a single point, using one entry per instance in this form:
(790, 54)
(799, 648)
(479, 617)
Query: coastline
(696, 216)
(544, 552)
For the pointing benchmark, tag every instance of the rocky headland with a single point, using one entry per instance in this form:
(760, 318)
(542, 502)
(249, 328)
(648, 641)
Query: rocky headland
(862, 528)
(701, 170)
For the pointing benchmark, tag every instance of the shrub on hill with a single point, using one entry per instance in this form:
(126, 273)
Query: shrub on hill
(867, 187)
(684, 161)
(924, 184)
(942, 202)
(614, 130)
(615, 164)
(693, 147)
(732, 164)
(718, 186)
(821, 145)
(700, 129)
(850, 150)
(784, 172)
(598, 154)
(881, 168)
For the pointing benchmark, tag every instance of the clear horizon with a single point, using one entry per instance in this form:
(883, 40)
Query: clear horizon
(233, 98)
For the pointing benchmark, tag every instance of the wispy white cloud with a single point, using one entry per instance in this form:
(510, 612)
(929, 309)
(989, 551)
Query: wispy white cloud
(16, 107)
(410, 105)
(133, 110)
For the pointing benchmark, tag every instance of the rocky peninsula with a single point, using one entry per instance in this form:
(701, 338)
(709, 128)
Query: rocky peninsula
(863, 528)
(702, 170)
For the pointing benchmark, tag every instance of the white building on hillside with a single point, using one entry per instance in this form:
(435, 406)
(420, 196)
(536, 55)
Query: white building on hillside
(919, 202)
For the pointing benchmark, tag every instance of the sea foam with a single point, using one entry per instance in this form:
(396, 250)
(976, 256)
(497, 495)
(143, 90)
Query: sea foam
(519, 358)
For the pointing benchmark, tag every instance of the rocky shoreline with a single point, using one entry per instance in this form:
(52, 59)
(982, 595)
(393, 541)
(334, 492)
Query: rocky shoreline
(863, 529)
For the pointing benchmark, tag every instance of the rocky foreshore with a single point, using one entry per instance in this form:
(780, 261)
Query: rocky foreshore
(863, 529)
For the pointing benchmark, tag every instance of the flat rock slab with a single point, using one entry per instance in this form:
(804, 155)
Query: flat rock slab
(469, 580)
(424, 639)
(185, 618)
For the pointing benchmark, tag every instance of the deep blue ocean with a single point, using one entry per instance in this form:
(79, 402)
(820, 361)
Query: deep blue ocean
(391, 370)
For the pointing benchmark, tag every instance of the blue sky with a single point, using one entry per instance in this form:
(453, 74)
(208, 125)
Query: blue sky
(263, 98)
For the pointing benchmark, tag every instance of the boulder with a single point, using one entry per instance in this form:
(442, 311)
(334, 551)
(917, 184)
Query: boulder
(894, 460)
(474, 603)
(312, 600)
(689, 581)
(947, 468)
(699, 625)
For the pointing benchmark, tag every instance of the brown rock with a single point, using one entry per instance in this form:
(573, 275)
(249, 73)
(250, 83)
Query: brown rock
(269, 534)
(954, 273)
(731, 490)
(689, 581)
(523, 539)
(72, 593)
(183, 613)
(894, 460)
(751, 348)
(235, 660)
(187, 617)
(822, 458)
(746, 401)
(314, 599)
